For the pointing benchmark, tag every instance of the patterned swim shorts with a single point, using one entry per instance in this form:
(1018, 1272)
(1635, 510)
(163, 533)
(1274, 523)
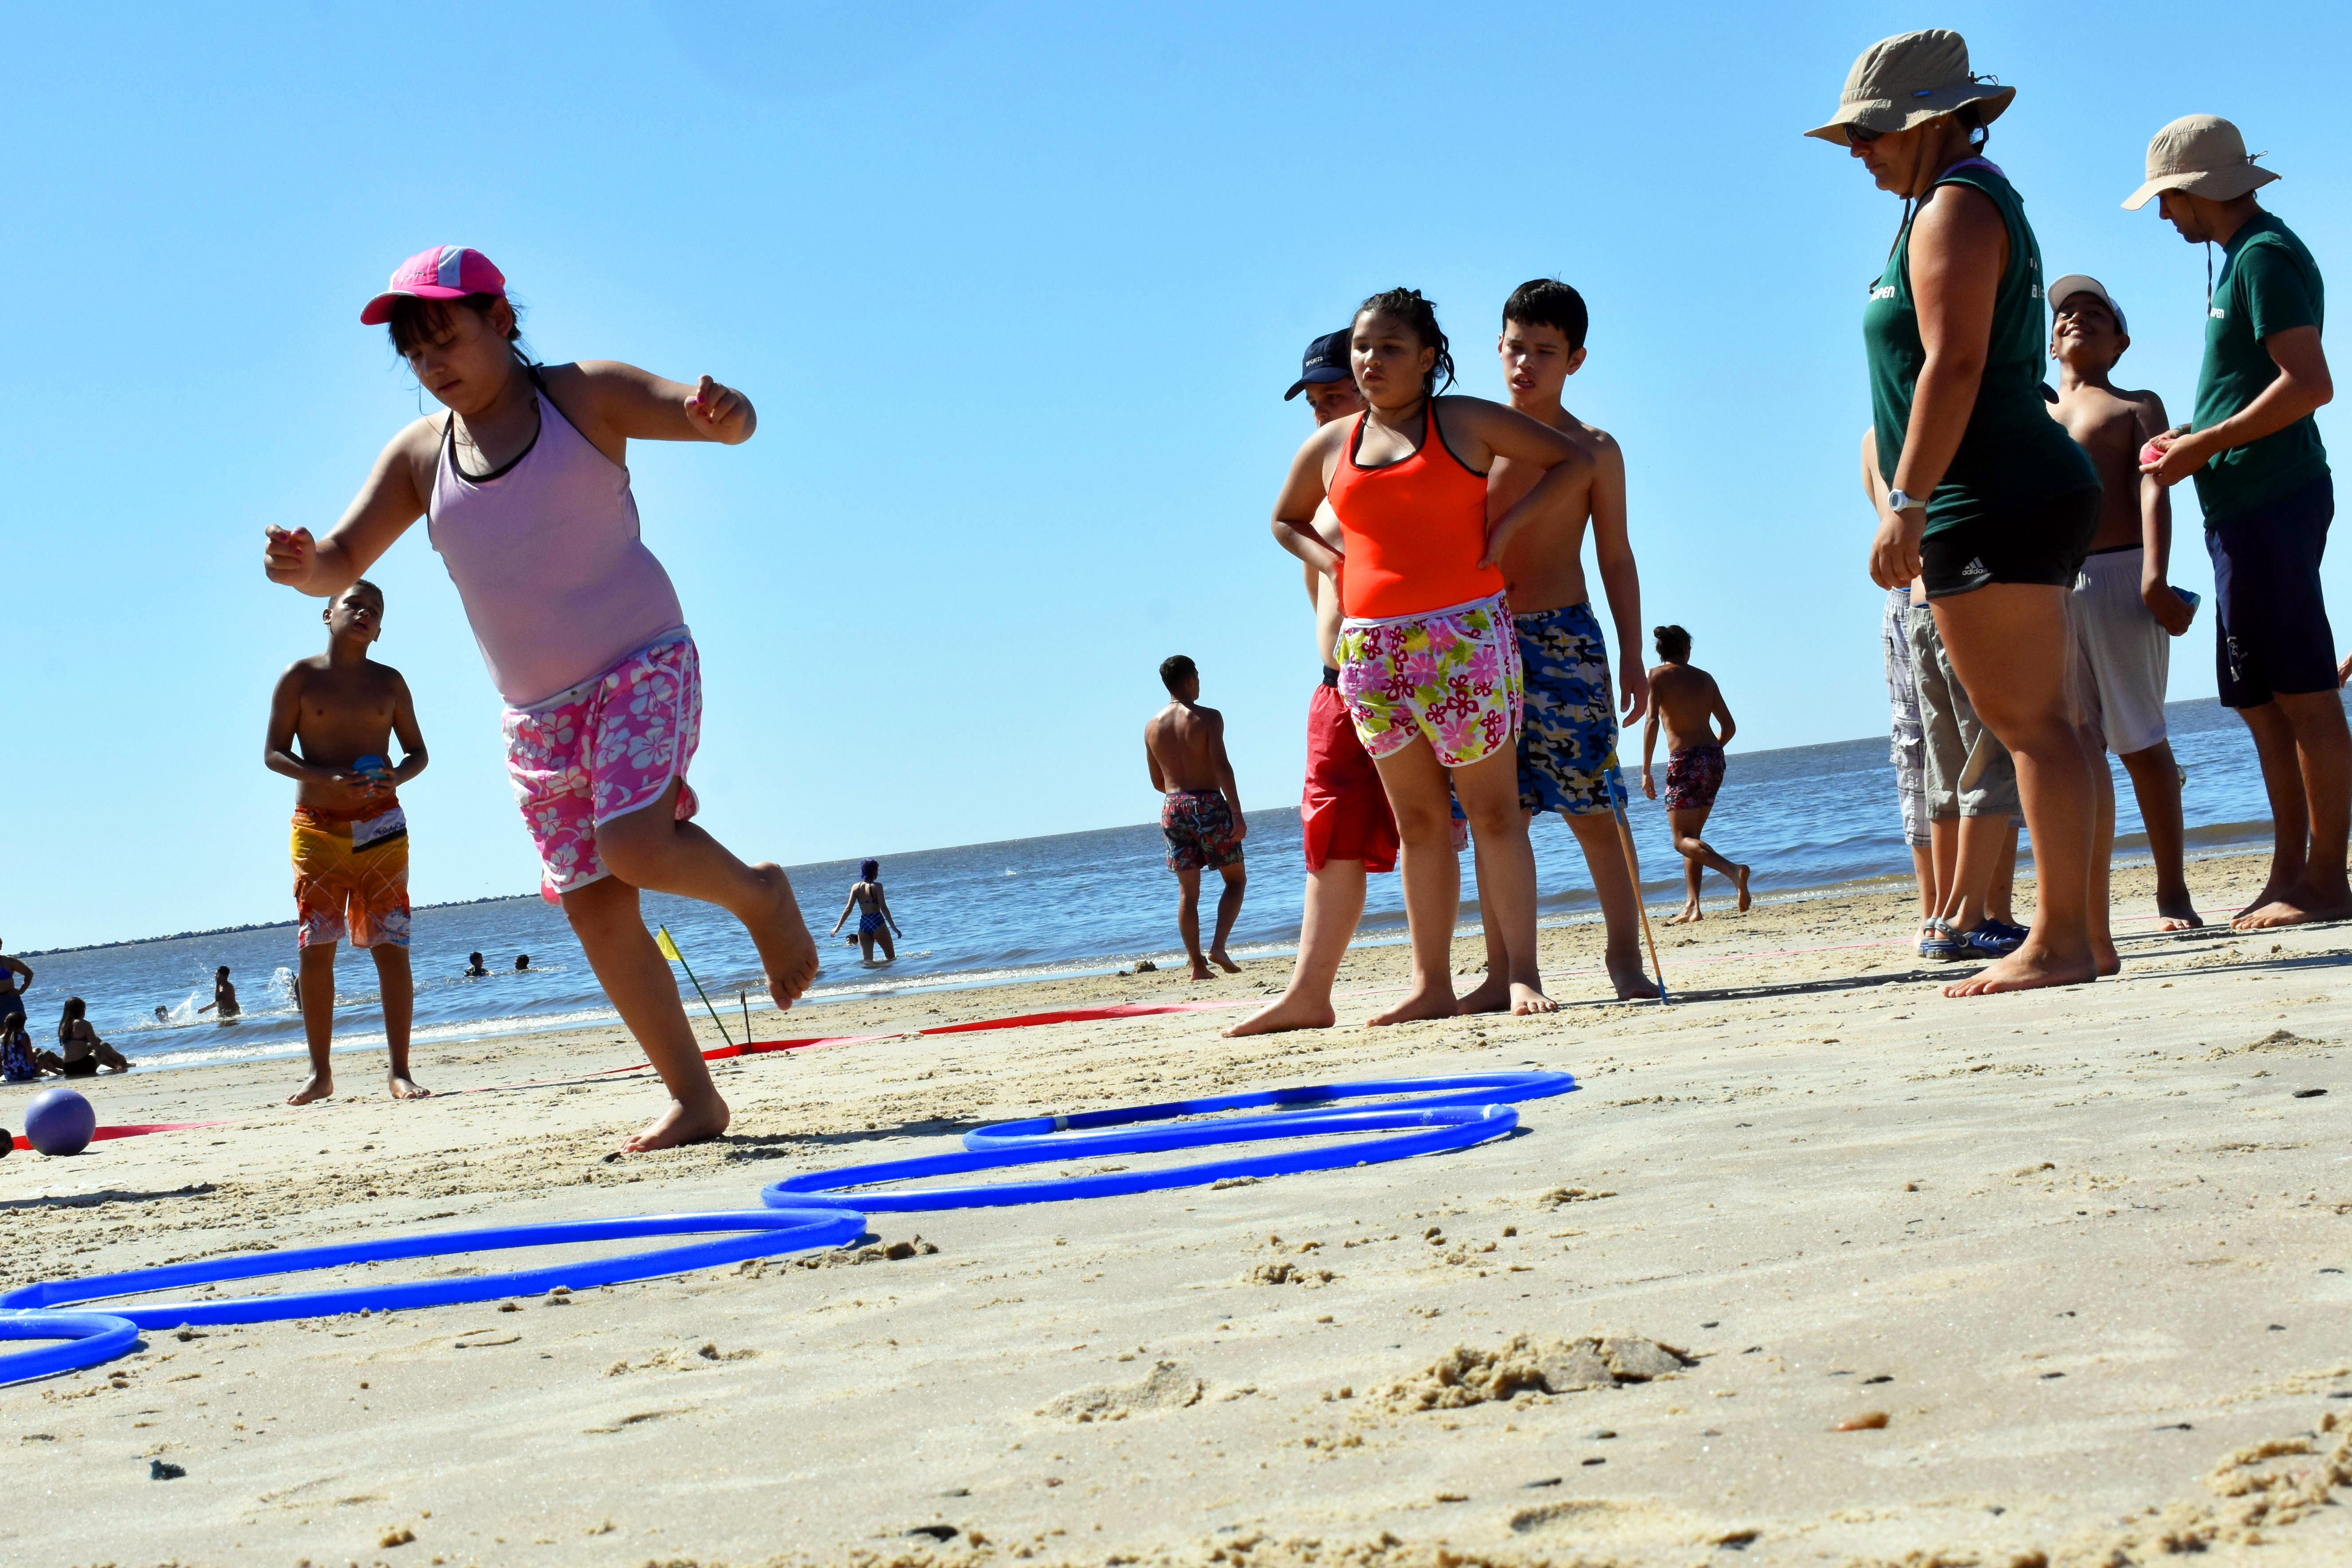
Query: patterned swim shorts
(607, 747)
(1694, 774)
(351, 878)
(1452, 675)
(1198, 826)
(1567, 749)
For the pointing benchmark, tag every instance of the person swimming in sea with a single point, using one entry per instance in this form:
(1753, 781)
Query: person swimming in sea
(475, 968)
(874, 920)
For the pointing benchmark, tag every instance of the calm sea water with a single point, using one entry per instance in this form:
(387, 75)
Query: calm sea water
(1806, 817)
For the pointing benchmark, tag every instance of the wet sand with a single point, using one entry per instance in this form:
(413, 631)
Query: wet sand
(2083, 1251)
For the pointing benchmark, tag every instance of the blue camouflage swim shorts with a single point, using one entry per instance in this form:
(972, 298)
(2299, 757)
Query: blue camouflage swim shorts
(1568, 742)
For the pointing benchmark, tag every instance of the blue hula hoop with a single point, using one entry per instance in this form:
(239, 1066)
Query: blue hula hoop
(1416, 1131)
(779, 1227)
(91, 1338)
(1461, 1089)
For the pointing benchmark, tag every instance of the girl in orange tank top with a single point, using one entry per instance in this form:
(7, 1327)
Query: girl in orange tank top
(1429, 660)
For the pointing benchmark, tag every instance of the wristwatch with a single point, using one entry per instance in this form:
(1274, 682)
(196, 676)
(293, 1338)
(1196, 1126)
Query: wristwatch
(1898, 501)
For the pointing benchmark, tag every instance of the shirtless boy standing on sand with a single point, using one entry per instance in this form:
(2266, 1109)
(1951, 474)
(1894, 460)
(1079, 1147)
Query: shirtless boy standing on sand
(2125, 615)
(1686, 699)
(1184, 745)
(1345, 824)
(1568, 743)
(350, 837)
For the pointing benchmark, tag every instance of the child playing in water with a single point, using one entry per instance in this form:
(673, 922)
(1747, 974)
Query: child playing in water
(874, 920)
(1429, 665)
(1686, 699)
(332, 723)
(527, 497)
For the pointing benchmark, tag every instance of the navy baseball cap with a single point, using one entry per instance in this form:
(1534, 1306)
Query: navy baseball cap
(1326, 360)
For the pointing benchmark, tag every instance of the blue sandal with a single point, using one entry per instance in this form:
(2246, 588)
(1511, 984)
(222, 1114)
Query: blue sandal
(1943, 946)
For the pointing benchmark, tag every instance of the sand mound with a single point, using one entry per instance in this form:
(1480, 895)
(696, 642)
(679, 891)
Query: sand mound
(1528, 1364)
(1169, 1387)
(1286, 1273)
(1559, 1195)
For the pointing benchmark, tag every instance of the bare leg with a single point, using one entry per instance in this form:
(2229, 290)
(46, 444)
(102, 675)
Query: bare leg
(1980, 844)
(2011, 647)
(1188, 919)
(2156, 783)
(1923, 871)
(1493, 993)
(1490, 791)
(1229, 910)
(315, 970)
(1690, 913)
(2097, 896)
(1432, 873)
(1944, 858)
(866, 947)
(2002, 886)
(1621, 902)
(882, 935)
(2290, 815)
(1696, 854)
(398, 987)
(651, 849)
(2322, 752)
(1335, 903)
(604, 917)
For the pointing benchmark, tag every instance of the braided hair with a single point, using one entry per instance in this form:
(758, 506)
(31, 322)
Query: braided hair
(1408, 306)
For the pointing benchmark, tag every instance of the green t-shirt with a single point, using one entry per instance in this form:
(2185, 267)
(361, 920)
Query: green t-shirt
(2270, 284)
(2012, 453)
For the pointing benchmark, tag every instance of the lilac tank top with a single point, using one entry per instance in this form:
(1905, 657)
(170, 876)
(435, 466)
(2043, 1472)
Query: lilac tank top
(556, 583)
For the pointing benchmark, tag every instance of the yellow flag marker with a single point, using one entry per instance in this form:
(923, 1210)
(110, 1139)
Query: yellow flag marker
(669, 950)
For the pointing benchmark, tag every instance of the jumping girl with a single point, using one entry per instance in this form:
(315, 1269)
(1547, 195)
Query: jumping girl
(1429, 663)
(525, 491)
(1985, 496)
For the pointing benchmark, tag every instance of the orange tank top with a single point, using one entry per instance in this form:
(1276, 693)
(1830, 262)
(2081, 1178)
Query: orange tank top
(1413, 529)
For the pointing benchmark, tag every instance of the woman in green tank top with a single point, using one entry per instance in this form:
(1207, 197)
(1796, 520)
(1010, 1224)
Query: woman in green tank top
(1986, 497)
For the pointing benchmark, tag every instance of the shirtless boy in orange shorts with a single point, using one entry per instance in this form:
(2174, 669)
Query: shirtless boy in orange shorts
(341, 708)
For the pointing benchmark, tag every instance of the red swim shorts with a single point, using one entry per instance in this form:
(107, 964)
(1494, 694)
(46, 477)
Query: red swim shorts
(1344, 812)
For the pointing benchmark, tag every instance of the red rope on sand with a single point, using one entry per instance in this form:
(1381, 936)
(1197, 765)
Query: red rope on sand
(137, 1128)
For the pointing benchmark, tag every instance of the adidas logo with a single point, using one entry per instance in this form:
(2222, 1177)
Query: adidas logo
(1976, 568)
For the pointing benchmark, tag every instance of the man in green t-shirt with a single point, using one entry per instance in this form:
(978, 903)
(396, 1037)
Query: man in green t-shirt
(2262, 481)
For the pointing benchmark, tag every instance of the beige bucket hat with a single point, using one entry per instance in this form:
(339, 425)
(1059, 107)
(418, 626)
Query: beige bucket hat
(2203, 154)
(1913, 77)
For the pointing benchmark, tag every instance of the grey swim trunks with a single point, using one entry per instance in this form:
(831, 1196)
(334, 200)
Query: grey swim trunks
(1910, 747)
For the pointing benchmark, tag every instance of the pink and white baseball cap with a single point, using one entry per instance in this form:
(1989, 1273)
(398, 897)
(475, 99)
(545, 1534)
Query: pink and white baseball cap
(444, 273)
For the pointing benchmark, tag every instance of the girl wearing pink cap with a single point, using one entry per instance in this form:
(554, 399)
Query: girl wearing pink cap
(525, 493)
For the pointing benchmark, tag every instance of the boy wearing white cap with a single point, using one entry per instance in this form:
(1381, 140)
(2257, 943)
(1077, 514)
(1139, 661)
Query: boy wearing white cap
(2125, 612)
(2262, 481)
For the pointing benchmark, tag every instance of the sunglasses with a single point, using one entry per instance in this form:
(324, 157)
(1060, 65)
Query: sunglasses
(1862, 134)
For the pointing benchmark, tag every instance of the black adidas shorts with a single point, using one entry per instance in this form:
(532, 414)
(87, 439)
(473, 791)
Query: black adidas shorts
(2041, 542)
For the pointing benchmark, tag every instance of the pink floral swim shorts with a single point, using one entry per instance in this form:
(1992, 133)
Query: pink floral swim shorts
(605, 748)
(1451, 675)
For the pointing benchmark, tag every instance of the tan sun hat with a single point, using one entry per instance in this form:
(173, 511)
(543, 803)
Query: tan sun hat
(2203, 154)
(1913, 77)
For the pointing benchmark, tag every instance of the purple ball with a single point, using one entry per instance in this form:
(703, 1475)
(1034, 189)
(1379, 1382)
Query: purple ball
(59, 1121)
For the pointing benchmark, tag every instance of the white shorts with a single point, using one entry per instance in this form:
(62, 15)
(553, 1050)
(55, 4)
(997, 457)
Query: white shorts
(2128, 649)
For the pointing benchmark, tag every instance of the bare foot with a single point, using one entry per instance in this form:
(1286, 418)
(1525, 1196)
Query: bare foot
(1525, 999)
(2029, 968)
(1689, 917)
(1287, 1013)
(1740, 875)
(1492, 994)
(1217, 956)
(2178, 914)
(318, 1085)
(2296, 908)
(1201, 970)
(1633, 981)
(406, 1087)
(2271, 893)
(1430, 999)
(678, 1125)
(787, 954)
(2103, 956)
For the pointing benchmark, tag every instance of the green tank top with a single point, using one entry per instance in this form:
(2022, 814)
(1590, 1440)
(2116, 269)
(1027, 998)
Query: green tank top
(2012, 453)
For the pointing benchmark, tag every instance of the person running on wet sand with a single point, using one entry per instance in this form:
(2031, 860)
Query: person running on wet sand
(2268, 496)
(1201, 814)
(1568, 743)
(525, 474)
(1698, 725)
(1428, 662)
(2126, 613)
(874, 920)
(1345, 826)
(332, 724)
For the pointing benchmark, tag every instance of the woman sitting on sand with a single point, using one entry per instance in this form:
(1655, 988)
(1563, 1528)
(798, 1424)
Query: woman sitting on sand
(83, 1051)
(1986, 496)
(874, 920)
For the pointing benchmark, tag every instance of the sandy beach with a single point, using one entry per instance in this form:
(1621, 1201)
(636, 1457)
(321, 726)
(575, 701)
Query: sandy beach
(2068, 1269)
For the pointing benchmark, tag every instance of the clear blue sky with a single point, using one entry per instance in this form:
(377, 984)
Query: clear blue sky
(1017, 290)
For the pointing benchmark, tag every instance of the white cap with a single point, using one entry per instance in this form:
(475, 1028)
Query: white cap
(2075, 283)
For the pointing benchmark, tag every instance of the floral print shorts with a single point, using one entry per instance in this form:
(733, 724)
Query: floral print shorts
(1451, 675)
(605, 748)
